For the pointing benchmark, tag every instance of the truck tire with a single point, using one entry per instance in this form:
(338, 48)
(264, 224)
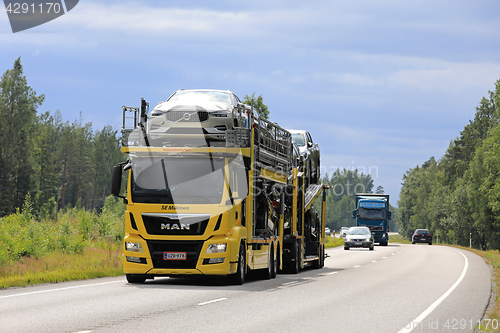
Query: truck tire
(135, 278)
(275, 266)
(383, 243)
(268, 272)
(239, 277)
(322, 257)
(296, 264)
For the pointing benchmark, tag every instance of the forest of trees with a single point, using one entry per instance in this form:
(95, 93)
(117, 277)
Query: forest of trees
(341, 198)
(458, 196)
(52, 161)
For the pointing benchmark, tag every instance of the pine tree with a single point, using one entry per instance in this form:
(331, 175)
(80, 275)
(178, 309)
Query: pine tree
(18, 106)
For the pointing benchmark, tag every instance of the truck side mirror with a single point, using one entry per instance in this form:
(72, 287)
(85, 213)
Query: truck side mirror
(390, 215)
(354, 213)
(116, 181)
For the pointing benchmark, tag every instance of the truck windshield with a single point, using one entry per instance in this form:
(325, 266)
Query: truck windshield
(177, 180)
(372, 214)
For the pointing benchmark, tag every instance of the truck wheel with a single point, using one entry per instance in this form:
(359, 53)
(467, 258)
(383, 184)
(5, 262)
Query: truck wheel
(383, 243)
(346, 248)
(268, 272)
(275, 266)
(296, 265)
(239, 277)
(135, 278)
(322, 257)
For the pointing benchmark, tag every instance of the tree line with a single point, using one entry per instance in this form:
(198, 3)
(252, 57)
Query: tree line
(341, 197)
(56, 163)
(458, 196)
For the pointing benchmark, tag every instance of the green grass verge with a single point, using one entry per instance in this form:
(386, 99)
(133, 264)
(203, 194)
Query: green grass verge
(333, 242)
(91, 263)
(398, 239)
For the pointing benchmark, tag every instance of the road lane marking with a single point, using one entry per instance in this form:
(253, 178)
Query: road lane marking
(59, 289)
(357, 266)
(332, 273)
(434, 305)
(213, 301)
(374, 260)
(289, 283)
(384, 257)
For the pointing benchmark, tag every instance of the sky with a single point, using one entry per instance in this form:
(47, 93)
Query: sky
(382, 86)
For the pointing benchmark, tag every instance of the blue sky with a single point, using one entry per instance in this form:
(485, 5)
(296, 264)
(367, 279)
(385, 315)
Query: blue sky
(381, 85)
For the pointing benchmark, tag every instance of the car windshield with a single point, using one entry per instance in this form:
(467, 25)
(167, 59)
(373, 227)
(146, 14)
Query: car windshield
(199, 96)
(423, 231)
(298, 139)
(358, 231)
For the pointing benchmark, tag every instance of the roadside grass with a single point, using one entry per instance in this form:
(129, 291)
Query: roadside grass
(398, 239)
(97, 260)
(78, 245)
(333, 242)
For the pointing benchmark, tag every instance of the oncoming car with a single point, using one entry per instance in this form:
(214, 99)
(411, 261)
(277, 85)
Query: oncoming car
(358, 237)
(343, 231)
(421, 236)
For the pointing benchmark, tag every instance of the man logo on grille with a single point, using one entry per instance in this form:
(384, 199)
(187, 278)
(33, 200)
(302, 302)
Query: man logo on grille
(174, 226)
(28, 14)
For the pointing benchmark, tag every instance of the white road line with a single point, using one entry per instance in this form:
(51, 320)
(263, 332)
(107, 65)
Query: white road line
(213, 301)
(332, 273)
(374, 260)
(423, 315)
(59, 289)
(384, 257)
(357, 266)
(289, 283)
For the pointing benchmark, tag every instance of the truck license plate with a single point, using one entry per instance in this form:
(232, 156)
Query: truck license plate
(174, 255)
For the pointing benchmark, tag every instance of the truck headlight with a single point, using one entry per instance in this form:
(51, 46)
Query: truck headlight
(216, 248)
(133, 247)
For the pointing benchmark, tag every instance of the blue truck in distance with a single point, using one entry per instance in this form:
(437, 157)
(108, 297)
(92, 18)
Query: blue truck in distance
(372, 211)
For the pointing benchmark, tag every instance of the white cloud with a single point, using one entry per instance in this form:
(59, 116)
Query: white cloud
(448, 77)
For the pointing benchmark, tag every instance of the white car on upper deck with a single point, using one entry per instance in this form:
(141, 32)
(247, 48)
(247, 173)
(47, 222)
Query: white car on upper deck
(200, 114)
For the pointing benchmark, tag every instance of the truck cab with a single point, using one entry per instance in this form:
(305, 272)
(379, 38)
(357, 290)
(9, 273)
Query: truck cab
(372, 211)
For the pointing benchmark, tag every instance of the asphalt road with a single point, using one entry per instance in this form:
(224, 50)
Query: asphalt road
(398, 288)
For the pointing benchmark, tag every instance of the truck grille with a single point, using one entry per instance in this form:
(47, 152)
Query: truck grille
(187, 116)
(192, 249)
(175, 224)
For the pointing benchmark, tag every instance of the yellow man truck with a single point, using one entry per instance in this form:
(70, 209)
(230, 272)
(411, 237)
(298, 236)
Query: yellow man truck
(203, 206)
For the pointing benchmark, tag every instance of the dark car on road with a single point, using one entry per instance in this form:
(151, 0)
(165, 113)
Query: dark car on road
(358, 237)
(421, 236)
